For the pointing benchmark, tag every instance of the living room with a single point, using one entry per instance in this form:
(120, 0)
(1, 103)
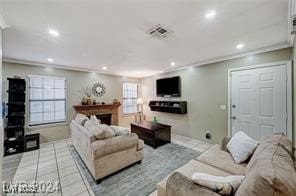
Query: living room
(161, 98)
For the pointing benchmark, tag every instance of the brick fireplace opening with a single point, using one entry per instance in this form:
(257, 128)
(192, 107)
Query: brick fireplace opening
(105, 118)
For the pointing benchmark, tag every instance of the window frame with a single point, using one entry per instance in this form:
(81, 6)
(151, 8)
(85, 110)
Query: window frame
(138, 89)
(46, 123)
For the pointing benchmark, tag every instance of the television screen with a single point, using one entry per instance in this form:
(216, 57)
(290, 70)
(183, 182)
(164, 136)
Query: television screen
(168, 87)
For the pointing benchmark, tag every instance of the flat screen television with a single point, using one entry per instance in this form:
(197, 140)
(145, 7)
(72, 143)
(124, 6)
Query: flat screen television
(168, 87)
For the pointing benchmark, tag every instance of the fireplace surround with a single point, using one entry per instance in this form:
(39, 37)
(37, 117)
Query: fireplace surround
(102, 111)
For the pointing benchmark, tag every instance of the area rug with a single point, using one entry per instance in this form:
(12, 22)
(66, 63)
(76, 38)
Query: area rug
(141, 179)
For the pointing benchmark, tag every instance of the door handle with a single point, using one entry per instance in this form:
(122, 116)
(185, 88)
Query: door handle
(233, 118)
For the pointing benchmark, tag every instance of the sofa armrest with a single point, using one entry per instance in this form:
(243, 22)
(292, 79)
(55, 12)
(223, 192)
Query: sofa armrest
(104, 147)
(180, 185)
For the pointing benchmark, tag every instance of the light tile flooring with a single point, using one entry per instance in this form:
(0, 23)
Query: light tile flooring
(54, 162)
(195, 144)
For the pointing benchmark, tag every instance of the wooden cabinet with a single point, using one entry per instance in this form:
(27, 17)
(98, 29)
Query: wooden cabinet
(152, 134)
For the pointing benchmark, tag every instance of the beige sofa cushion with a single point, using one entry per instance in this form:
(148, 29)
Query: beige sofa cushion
(111, 145)
(187, 170)
(81, 119)
(101, 131)
(226, 162)
(180, 185)
(120, 130)
(270, 170)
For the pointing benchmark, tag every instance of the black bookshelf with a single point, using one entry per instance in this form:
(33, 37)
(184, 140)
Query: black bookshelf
(14, 131)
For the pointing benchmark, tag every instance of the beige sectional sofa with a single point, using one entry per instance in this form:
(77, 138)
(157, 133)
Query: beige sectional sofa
(104, 157)
(270, 171)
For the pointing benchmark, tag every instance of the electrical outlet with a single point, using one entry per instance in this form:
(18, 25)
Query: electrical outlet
(223, 107)
(208, 135)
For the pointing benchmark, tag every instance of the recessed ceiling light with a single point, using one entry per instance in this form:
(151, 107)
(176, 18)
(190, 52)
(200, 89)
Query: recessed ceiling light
(210, 14)
(53, 32)
(240, 46)
(104, 68)
(173, 63)
(50, 60)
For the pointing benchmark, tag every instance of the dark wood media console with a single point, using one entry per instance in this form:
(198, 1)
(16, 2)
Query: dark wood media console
(177, 107)
(153, 134)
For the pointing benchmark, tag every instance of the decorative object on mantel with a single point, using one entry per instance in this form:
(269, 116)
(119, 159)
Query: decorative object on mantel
(103, 103)
(115, 100)
(98, 89)
(94, 102)
(83, 101)
(87, 92)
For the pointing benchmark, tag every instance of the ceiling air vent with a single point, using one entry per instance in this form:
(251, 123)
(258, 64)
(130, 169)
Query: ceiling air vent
(159, 32)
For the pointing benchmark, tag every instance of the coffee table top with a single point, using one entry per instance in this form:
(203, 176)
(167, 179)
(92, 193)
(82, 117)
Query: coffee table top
(149, 125)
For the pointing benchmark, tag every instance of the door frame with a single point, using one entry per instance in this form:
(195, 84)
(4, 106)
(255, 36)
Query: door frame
(289, 91)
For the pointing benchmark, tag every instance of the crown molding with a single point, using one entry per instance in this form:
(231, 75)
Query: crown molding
(230, 57)
(200, 63)
(55, 66)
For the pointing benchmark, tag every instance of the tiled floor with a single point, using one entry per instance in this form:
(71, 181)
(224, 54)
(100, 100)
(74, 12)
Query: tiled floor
(54, 162)
(190, 143)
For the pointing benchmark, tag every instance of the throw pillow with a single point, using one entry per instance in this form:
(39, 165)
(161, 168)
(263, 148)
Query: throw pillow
(120, 130)
(224, 144)
(107, 131)
(81, 118)
(241, 147)
(95, 119)
(93, 128)
(219, 184)
(101, 131)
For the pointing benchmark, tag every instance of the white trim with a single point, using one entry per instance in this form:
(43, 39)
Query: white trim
(3, 23)
(39, 64)
(209, 61)
(289, 91)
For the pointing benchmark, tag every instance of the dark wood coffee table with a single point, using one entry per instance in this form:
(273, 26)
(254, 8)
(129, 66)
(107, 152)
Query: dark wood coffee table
(153, 134)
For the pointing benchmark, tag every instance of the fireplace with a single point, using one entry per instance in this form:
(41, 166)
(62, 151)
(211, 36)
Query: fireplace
(107, 113)
(105, 118)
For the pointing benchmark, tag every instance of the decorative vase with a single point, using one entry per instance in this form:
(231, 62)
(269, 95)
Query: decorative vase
(89, 101)
(154, 121)
(83, 101)
(115, 100)
(103, 103)
(94, 102)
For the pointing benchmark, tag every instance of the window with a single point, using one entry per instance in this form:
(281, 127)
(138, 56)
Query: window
(130, 96)
(47, 102)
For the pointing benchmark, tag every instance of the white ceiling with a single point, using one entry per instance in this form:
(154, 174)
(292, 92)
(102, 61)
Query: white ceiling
(97, 33)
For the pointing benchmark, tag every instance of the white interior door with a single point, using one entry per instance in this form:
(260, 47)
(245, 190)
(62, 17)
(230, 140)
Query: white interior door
(259, 101)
